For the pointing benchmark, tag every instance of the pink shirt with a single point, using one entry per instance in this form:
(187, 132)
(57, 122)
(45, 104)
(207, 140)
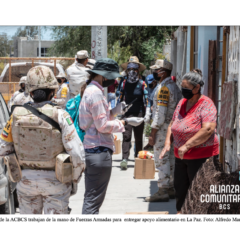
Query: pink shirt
(187, 124)
(94, 108)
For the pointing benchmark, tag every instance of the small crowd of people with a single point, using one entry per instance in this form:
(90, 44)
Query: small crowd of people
(183, 130)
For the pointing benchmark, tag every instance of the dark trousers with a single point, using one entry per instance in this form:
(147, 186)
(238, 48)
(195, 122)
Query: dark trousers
(184, 173)
(97, 175)
(127, 135)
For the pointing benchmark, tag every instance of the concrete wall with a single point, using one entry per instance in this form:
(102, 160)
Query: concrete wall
(167, 52)
(29, 48)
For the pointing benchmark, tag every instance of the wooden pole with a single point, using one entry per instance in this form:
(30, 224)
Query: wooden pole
(54, 67)
(192, 48)
(221, 155)
(4, 58)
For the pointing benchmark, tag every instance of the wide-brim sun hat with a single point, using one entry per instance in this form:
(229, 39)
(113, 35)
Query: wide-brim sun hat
(61, 75)
(107, 68)
(133, 59)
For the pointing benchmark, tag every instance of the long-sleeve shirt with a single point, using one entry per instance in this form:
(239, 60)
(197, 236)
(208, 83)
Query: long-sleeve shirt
(94, 111)
(70, 139)
(165, 100)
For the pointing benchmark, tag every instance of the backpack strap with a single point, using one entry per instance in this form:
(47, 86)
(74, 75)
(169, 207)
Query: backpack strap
(42, 116)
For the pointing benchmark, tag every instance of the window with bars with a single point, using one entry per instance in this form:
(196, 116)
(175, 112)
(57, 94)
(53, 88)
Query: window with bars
(43, 52)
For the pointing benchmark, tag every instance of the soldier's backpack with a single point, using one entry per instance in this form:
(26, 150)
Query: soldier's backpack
(72, 107)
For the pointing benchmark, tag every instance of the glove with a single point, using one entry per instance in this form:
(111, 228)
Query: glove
(134, 121)
(74, 189)
(147, 115)
(118, 109)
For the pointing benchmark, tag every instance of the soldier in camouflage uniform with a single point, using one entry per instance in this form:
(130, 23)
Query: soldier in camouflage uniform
(165, 100)
(37, 144)
(21, 90)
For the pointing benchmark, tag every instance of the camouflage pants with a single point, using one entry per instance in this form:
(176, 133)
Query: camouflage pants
(165, 166)
(40, 190)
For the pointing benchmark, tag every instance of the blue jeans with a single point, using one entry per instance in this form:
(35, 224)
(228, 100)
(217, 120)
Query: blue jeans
(112, 99)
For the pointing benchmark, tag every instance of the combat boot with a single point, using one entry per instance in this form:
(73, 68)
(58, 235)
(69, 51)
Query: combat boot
(160, 196)
(123, 164)
(171, 193)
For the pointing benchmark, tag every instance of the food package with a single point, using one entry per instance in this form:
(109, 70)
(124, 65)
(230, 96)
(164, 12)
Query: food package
(144, 169)
(117, 144)
(145, 155)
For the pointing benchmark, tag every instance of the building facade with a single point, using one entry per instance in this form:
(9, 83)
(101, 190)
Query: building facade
(24, 47)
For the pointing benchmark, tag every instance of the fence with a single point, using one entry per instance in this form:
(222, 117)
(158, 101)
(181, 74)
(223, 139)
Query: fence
(15, 68)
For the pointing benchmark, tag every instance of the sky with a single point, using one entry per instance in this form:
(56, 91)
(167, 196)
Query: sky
(11, 30)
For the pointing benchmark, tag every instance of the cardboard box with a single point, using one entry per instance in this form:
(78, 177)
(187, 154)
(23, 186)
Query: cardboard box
(146, 213)
(118, 146)
(144, 169)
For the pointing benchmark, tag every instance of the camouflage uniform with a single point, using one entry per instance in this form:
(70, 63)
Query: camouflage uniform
(22, 98)
(62, 96)
(165, 101)
(11, 101)
(37, 143)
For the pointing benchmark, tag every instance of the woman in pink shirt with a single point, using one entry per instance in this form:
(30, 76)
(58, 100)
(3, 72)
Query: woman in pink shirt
(193, 133)
(99, 123)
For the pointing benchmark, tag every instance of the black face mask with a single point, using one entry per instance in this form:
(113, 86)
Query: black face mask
(59, 80)
(156, 77)
(108, 83)
(187, 93)
(150, 85)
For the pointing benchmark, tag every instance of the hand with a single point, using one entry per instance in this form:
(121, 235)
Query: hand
(165, 149)
(151, 140)
(119, 109)
(123, 122)
(182, 150)
(147, 119)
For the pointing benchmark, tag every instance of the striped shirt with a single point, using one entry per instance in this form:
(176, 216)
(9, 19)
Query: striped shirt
(94, 109)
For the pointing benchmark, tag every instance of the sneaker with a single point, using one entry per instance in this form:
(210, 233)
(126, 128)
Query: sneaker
(160, 196)
(123, 164)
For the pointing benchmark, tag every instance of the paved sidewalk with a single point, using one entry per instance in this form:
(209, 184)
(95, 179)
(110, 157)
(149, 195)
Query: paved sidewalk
(124, 194)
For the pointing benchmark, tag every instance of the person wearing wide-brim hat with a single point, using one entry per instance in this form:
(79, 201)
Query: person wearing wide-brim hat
(99, 123)
(62, 95)
(133, 87)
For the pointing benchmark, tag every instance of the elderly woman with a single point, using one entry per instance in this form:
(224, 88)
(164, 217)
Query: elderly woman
(193, 133)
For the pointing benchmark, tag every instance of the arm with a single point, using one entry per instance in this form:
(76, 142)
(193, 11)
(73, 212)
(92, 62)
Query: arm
(120, 99)
(99, 115)
(160, 114)
(72, 144)
(6, 141)
(200, 137)
(64, 96)
(168, 141)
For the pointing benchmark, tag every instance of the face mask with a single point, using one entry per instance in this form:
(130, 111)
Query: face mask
(151, 85)
(187, 93)
(156, 77)
(132, 76)
(59, 80)
(108, 83)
